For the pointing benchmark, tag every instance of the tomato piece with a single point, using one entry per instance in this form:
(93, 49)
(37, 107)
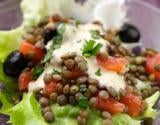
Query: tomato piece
(50, 88)
(111, 105)
(24, 80)
(27, 48)
(77, 73)
(112, 63)
(150, 65)
(133, 102)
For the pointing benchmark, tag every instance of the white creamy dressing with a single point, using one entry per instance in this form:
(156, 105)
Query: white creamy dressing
(73, 41)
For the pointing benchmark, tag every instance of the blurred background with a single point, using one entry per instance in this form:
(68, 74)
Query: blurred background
(10, 15)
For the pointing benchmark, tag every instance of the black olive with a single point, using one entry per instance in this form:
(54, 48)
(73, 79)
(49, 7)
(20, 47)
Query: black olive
(49, 33)
(129, 34)
(14, 64)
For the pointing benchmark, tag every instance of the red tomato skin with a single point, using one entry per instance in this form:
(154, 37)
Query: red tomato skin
(112, 63)
(150, 63)
(134, 104)
(111, 105)
(27, 47)
(24, 80)
(50, 88)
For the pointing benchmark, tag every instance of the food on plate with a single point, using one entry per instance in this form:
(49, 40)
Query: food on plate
(75, 73)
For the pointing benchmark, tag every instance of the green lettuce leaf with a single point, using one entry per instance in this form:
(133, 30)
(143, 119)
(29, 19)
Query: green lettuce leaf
(27, 112)
(33, 11)
(9, 41)
(124, 119)
(5, 103)
(150, 112)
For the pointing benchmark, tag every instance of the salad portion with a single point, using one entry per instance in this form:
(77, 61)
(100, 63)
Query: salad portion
(73, 73)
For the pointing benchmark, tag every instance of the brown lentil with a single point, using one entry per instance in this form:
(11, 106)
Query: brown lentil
(72, 100)
(69, 63)
(49, 117)
(81, 121)
(143, 77)
(83, 114)
(78, 95)
(66, 89)
(112, 91)
(92, 81)
(106, 115)
(62, 100)
(79, 59)
(66, 74)
(93, 89)
(141, 69)
(59, 88)
(46, 109)
(30, 38)
(57, 77)
(87, 93)
(139, 60)
(157, 67)
(93, 102)
(107, 122)
(40, 44)
(53, 97)
(151, 77)
(44, 101)
(47, 78)
(74, 89)
(103, 94)
(82, 66)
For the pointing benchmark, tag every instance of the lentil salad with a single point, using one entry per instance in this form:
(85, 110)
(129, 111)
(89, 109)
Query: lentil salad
(67, 81)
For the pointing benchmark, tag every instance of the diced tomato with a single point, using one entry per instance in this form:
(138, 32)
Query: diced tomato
(50, 88)
(133, 102)
(150, 65)
(24, 80)
(112, 63)
(111, 105)
(27, 48)
(77, 73)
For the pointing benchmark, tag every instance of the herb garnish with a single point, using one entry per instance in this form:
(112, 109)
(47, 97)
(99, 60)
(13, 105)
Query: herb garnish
(37, 71)
(61, 28)
(83, 102)
(55, 71)
(56, 43)
(98, 72)
(95, 34)
(91, 48)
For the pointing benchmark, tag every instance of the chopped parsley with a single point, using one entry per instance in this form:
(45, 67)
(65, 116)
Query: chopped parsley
(77, 23)
(55, 71)
(98, 72)
(61, 28)
(56, 43)
(37, 71)
(83, 102)
(95, 34)
(91, 48)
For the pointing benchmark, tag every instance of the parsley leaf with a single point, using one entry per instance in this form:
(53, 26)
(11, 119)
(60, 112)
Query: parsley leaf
(56, 43)
(55, 71)
(77, 23)
(98, 72)
(61, 28)
(91, 48)
(37, 71)
(95, 34)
